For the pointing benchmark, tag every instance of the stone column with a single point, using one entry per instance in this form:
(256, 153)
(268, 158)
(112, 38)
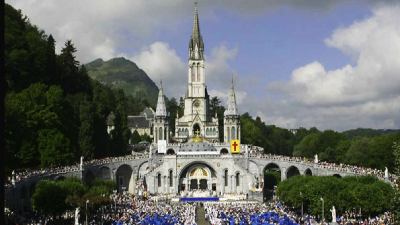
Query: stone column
(155, 186)
(167, 138)
(231, 189)
(164, 184)
(132, 184)
(283, 173)
(175, 185)
(222, 184)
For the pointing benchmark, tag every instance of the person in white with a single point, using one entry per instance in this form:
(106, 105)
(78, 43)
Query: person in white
(333, 211)
(81, 165)
(386, 173)
(77, 216)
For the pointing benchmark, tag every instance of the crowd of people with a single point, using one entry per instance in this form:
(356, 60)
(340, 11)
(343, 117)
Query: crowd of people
(249, 213)
(129, 209)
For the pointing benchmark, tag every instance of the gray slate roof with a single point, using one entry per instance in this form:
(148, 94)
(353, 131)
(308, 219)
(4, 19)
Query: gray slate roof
(138, 122)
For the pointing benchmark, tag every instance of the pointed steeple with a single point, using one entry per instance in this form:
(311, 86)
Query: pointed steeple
(196, 45)
(232, 107)
(161, 110)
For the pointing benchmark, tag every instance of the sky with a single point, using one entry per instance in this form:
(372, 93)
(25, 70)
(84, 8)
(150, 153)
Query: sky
(331, 64)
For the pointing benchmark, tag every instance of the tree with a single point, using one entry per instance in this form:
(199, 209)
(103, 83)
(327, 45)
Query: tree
(69, 69)
(54, 148)
(86, 130)
(49, 198)
(369, 193)
(308, 147)
(215, 103)
(172, 108)
(135, 137)
(34, 108)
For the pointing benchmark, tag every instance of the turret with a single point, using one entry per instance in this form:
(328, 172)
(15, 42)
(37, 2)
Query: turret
(160, 125)
(196, 44)
(231, 118)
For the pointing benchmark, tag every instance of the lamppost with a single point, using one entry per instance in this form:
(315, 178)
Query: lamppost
(323, 218)
(102, 209)
(115, 199)
(87, 202)
(302, 212)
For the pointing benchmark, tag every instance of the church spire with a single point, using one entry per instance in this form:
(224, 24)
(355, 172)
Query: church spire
(161, 109)
(232, 107)
(196, 45)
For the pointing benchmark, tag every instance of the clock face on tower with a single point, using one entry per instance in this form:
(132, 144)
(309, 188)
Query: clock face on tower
(196, 103)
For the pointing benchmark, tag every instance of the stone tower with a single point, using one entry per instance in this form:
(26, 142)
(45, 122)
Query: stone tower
(231, 118)
(197, 119)
(160, 126)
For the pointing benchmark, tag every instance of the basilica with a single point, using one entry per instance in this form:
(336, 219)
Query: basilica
(197, 120)
(193, 161)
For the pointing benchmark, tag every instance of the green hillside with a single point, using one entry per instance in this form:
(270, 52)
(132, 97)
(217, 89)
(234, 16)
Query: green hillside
(126, 75)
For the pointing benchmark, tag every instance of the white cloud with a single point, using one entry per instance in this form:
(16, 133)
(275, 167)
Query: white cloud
(365, 94)
(161, 62)
(112, 28)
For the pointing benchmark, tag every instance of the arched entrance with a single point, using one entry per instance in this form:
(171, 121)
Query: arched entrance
(272, 177)
(292, 171)
(170, 151)
(224, 151)
(197, 179)
(337, 175)
(124, 177)
(105, 173)
(196, 129)
(89, 177)
(308, 172)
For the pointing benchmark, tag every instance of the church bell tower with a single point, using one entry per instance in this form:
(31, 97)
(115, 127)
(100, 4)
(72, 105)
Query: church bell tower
(161, 131)
(231, 118)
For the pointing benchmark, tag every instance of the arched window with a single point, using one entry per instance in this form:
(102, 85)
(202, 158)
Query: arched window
(198, 72)
(193, 70)
(226, 178)
(155, 134)
(229, 133)
(237, 179)
(233, 133)
(196, 129)
(159, 180)
(160, 133)
(170, 151)
(170, 178)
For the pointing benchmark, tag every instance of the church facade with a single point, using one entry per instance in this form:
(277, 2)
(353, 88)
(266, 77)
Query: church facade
(197, 119)
(193, 161)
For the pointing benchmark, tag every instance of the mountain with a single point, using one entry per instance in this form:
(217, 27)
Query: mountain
(124, 74)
